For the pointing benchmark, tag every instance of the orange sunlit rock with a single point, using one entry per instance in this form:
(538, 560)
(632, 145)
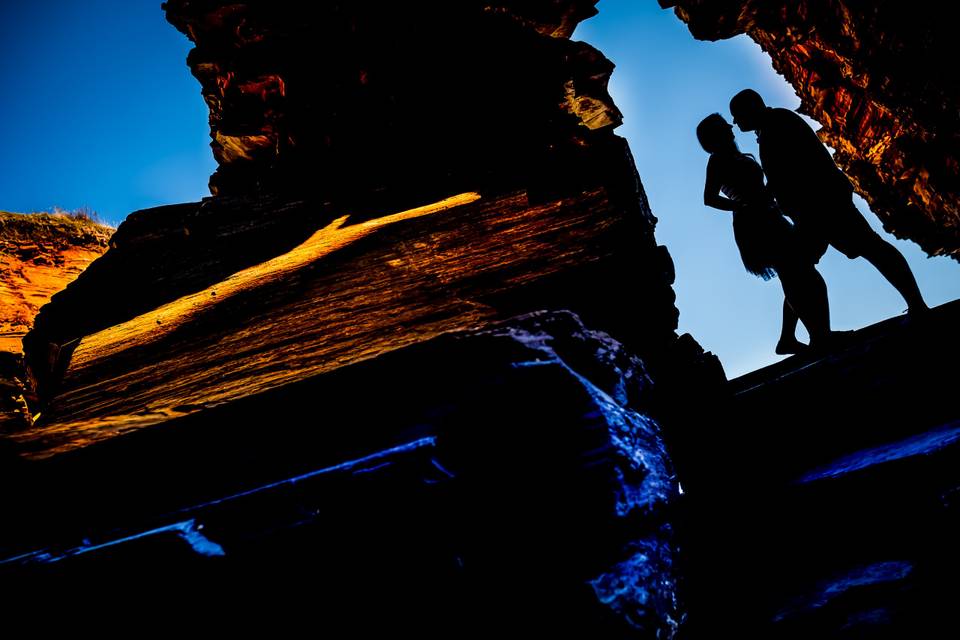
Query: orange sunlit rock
(156, 324)
(348, 293)
(39, 255)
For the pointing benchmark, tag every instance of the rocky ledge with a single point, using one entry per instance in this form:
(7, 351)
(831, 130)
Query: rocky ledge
(825, 501)
(362, 354)
(510, 476)
(407, 368)
(233, 297)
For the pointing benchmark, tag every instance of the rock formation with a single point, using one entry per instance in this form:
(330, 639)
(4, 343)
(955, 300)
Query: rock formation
(826, 505)
(367, 221)
(40, 254)
(506, 477)
(414, 366)
(209, 317)
(425, 99)
(878, 77)
(415, 206)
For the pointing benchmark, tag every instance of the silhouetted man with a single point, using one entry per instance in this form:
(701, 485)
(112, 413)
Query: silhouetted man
(816, 194)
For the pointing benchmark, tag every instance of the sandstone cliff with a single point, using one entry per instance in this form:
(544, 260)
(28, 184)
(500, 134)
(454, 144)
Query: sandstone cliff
(414, 366)
(371, 194)
(420, 99)
(40, 254)
(416, 205)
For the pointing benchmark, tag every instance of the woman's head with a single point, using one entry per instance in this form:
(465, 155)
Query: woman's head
(715, 133)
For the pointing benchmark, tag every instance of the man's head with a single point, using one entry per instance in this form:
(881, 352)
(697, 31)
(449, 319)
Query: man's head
(747, 109)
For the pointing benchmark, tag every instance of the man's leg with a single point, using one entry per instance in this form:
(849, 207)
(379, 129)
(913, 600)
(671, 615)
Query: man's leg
(893, 266)
(851, 234)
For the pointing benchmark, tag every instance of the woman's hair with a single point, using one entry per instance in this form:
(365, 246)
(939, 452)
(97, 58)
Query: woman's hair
(713, 132)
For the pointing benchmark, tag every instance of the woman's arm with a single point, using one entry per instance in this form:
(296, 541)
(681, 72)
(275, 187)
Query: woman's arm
(711, 188)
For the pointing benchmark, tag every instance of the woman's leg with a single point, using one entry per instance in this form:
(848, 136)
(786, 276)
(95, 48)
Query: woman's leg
(788, 342)
(806, 292)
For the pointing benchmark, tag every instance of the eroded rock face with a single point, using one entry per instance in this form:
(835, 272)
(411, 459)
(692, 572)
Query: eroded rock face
(390, 174)
(39, 255)
(507, 477)
(426, 169)
(424, 98)
(880, 78)
(230, 298)
(827, 506)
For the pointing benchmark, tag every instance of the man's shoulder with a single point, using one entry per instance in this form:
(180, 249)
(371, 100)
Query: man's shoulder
(784, 130)
(783, 111)
(786, 118)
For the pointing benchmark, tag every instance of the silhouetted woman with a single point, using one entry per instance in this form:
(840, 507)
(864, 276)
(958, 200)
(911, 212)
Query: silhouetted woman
(766, 239)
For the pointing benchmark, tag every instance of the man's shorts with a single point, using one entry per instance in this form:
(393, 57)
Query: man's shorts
(836, 221)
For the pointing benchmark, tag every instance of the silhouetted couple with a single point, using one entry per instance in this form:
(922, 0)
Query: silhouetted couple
(804, 183)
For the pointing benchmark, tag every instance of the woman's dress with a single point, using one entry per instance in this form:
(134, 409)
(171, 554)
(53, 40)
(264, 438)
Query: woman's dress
(765, 238)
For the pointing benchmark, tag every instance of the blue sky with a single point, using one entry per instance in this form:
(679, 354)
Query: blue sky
(665, 83)
(100, 108)
(102, 112)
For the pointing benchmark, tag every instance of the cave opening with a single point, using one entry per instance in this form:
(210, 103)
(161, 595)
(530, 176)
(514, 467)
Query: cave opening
(664, 83)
